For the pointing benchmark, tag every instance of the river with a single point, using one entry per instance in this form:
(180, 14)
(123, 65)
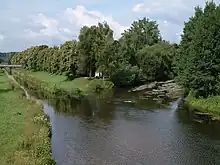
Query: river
(125, 130)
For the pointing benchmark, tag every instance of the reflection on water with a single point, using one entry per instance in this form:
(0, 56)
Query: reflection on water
(112, 131)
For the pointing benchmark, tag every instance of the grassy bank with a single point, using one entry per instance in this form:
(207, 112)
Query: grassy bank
(210, 105)
(24, 130)
(58, 84)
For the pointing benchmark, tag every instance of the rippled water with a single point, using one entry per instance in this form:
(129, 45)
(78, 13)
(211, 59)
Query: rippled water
(128, 131)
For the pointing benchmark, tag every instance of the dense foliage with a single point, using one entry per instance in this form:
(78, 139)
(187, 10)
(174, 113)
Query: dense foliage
(138, 56)
(199, 52)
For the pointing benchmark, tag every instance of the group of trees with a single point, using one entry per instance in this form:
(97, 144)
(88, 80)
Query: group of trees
(140, 55)
(198, 60)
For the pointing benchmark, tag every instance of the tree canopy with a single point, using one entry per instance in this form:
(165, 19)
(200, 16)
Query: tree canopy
(198, 62)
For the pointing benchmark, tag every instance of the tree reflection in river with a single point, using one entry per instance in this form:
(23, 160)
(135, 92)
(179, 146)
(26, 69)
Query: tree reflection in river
(89, 108)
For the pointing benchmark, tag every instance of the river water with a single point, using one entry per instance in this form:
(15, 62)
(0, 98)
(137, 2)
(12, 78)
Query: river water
(124, 130)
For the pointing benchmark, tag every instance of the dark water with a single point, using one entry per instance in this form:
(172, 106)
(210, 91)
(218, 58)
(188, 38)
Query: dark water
(124, 130)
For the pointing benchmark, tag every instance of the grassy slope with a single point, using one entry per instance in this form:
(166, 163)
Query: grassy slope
(84, 84)
(23, 141)
(209, 105)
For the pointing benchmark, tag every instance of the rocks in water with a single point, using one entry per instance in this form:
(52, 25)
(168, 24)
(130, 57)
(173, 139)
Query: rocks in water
(203, 116)
(161, 96)
(198, 121)
(130, 101)
(160, 89)
(169, 81)
(216, 118)
(144, 87)
(202, 113)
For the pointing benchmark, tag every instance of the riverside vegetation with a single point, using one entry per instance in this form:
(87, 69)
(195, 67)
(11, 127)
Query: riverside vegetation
(25, 132)
(56, 85)
(198, 60)
(140, 56)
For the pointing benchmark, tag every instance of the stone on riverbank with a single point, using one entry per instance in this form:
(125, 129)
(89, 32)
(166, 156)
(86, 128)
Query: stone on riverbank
(144, 87)
(161, 89)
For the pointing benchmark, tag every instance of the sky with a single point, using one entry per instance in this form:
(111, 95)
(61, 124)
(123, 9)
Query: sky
(25, 23)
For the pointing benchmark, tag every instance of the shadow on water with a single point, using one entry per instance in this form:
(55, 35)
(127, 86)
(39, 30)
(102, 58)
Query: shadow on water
(87, 108)
(99, 107)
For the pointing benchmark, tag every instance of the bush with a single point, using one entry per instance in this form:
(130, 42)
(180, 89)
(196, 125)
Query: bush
(156, 61)
(126, 76)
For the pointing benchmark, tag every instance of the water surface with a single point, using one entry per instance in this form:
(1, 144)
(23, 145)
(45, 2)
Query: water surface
(124, 130)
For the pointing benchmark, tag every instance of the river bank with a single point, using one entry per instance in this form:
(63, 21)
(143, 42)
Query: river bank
(112, 131)
(25, 132)
(204, 108)
(57, 85)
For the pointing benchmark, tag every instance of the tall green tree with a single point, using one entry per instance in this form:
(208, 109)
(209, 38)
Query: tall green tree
(68, 59)
(110, 59)
(198, 66)
(156, 61)
(141, 33)
(92, 41)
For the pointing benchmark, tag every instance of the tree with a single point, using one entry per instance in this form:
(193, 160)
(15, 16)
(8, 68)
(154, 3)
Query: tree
(110, 58)
(92, 41)
(68, 59)
(156, 61)
(198, 64)
(141, 33)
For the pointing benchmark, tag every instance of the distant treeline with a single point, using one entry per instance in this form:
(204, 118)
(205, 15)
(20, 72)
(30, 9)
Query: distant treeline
(140, 55)
(5, 57)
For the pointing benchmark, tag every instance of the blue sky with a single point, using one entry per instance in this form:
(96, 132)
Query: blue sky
(25, 23)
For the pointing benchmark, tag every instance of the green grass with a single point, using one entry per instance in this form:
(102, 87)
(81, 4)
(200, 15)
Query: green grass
(49, 78)
(209, 105)
(24, 133)
(85, 85)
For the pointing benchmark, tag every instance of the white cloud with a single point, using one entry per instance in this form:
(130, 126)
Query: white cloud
(1, 37)
(50, 28)
(67, 24)
(81, 16)
(177, 6)
(58, 23)
(169, 14)
(138, 7)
